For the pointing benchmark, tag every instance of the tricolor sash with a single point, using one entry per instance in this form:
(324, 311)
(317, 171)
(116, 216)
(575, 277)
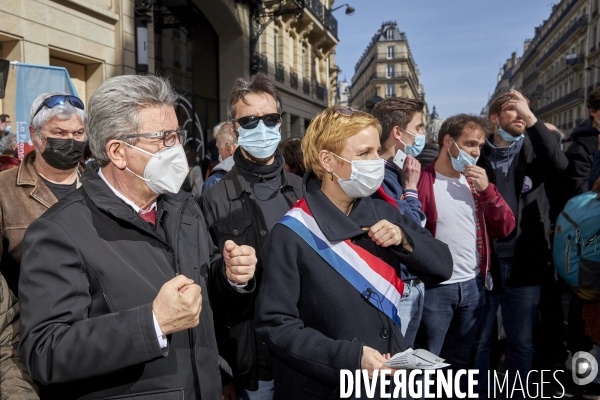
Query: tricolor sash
(376, 280)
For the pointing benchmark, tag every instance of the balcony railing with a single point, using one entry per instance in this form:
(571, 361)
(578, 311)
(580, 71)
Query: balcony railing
(388, 95)
(323, 15)
(305, 86)
(279, 72)
(331, 23)
(321, 92)
(293, 79)
(574, 95)
(582, 21)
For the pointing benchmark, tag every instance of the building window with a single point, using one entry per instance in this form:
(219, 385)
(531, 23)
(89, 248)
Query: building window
(390, 71)
(390, 90)
(276, 46)
(189, 61)
(304, 63)
(389, 34)
(390, 53)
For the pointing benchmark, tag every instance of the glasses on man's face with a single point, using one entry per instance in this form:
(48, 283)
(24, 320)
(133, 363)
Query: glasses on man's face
(347, 111)
(59, 100)
(170, 138)
(251, 122)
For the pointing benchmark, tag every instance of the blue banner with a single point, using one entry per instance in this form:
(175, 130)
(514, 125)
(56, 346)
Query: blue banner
(33, 80)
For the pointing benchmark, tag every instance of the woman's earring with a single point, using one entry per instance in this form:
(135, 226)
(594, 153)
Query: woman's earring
(331, 176)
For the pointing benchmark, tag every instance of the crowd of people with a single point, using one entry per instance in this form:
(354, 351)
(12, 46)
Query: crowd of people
(130, 269)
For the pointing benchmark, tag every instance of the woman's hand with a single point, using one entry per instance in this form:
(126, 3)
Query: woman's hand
(371, 360)
(386, 234)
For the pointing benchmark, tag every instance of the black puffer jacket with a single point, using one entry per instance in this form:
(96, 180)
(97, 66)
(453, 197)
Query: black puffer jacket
(313, 319)
(90, 272)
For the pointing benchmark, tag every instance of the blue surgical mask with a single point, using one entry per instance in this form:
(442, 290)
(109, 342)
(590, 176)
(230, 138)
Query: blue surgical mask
(417, 146)
(463, 159)
(260, 142)
(507, 137)
(7, 129)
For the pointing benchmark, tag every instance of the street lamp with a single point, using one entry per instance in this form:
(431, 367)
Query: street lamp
(349, 9)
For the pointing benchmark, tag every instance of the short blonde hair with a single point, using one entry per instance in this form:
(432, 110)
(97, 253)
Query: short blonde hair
(329, 131)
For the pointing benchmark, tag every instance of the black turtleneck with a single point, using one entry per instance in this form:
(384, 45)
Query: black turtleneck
(265, 181)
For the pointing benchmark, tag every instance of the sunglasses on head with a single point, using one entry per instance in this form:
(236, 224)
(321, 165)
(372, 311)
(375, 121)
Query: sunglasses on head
(59, 100)
(251, 122)
(347, 111)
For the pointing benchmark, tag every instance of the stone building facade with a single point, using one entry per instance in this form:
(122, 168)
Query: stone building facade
(386, 69)
(559, 66)
(202, 46)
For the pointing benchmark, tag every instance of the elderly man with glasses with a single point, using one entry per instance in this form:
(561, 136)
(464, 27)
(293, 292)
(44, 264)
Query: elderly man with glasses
(57, 132)
(244, 205)
(116, 277)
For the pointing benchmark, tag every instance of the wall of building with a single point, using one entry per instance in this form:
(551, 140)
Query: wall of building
(558, 67)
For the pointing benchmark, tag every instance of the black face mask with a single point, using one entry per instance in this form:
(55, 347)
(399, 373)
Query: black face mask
(63, 153)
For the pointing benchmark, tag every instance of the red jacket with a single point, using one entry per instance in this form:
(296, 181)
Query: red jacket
(8, 162)
(490, 208)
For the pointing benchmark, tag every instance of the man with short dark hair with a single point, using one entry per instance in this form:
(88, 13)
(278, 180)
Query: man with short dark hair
(521, 260)
(244, 205)
(401, 124)
(463, 210)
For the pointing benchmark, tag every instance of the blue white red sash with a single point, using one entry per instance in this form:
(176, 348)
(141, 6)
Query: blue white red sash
(376, 280)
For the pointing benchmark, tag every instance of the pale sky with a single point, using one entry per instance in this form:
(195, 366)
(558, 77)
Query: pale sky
(458, 45)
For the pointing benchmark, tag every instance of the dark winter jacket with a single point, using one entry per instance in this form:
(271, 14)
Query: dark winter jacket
(315, 322)
(595, 173)
(539, 159)
(430, 152)
(574, 179)
(90, 272)
(232, 212)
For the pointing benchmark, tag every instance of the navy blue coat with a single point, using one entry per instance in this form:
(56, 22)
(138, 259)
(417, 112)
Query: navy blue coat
(313, 320)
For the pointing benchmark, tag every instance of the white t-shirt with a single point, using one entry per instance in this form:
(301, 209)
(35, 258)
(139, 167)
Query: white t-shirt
(456, 225)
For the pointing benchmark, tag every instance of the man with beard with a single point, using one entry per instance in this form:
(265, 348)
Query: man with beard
(244, 206)
(520, 261)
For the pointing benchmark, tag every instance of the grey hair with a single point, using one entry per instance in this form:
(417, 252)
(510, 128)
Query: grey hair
(64, 111)
(257, 84)
(113, 108)
(223, 134)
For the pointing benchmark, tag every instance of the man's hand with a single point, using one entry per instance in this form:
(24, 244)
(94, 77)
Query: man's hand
(240, 262)
(385, 234)
(228, 392)
(519, 104)
(177, 306)
(410, 173)
(371, 360)
(477, 176)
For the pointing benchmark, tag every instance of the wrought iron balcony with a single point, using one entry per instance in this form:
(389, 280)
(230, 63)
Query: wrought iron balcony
(582, 21)
(279, 72)
(305, 86)
(574, 95)
(293, 79)
(323, 15)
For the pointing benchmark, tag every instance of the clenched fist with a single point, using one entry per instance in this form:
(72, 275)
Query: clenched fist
(386, 234)
(177, 306)
(240, 262)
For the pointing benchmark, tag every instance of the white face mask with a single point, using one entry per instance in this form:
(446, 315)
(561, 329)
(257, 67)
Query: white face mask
(365, 179)
(166, 170)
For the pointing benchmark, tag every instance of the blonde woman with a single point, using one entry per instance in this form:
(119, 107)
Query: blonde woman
(330, 287)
